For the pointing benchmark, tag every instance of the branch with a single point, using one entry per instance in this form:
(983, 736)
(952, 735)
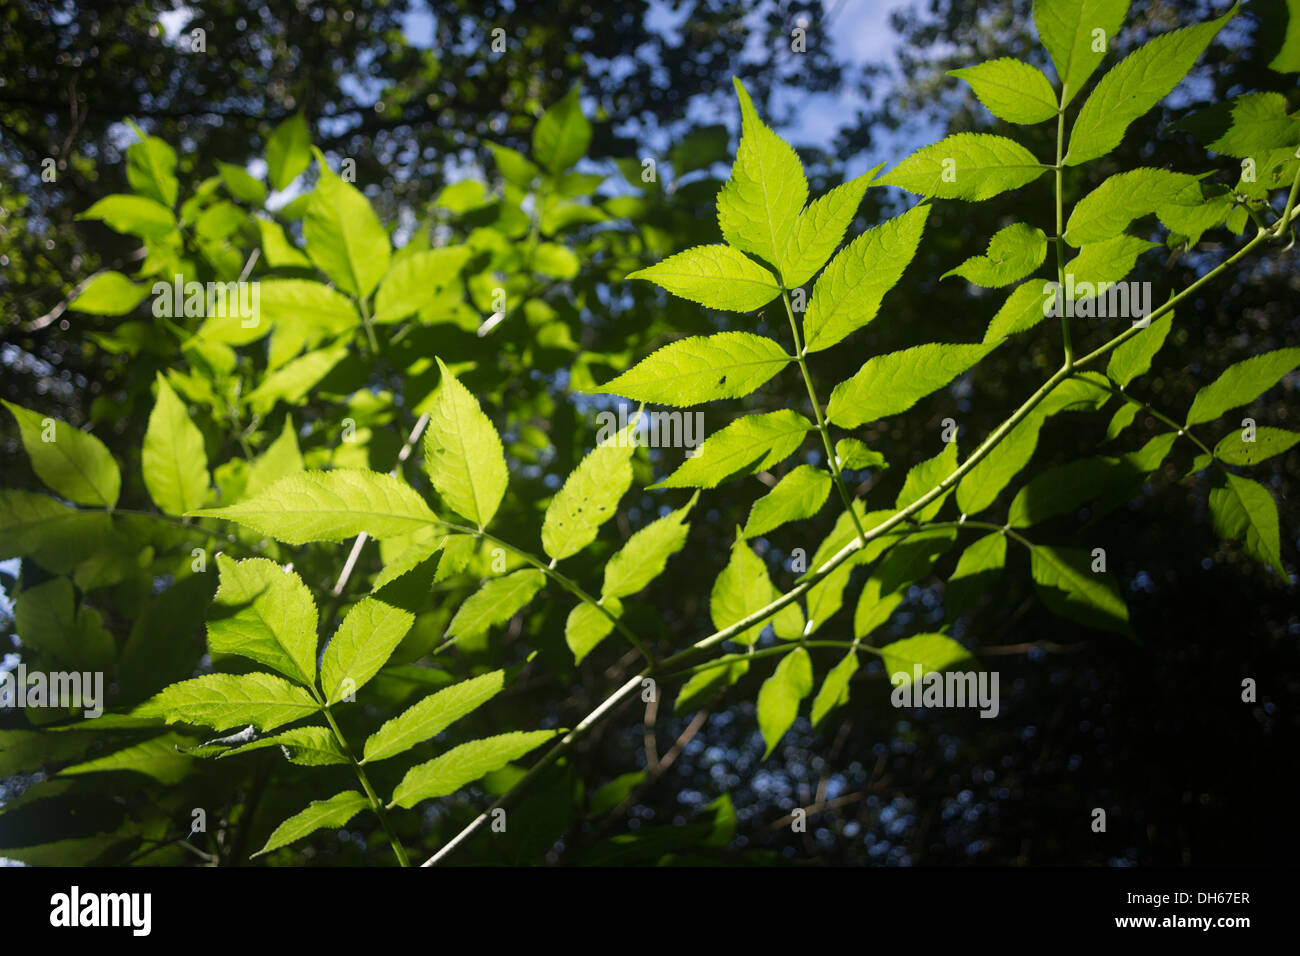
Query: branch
(1065, 371)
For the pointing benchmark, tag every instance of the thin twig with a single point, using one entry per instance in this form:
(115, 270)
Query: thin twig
(361, 538)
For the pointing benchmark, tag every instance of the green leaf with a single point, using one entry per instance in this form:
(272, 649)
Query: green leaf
(514, 166)
(1239, 384)
(344, 237)
(893, 383)
(1067, 28)
(330, 506)
(109, 293)
(825, 598)
(54, 535)
(978, 566)
(462, 453)
(1011, 89)
(219, 221)
(362, 645)
(457, 552)
(56, 631)
(1082, 392)
(1144, 78)
(717, 276)
(704, 684)
(969, 166)
(835, 688)
(420, 547)
(1121, 420)
(1287, 59)
(587, 626)
(699, 149)
(496, 602)
(1233, 449)
(800, 494)
(982, 484)
(1243, 510)
(1029, 303)
(1192, 213)
(744, 587)
(1106, 211)
(222, 701)
(151, 169)
(305, 746)
(1106, 261)
(874, 607)
(1070, 588)
(557, 261)
(311, 310)
(933, 652)
(848, 294)
(464, 764)
(854, 455)
(845, 531)
(700, 369)
(1066, 488)
(432, 715)
(1014, 252)
(820, 229)
(174, 460)
(266, 614)
(157, 758)
(589, 497)
(759, 204)
(280, 460)
(72, 463)
(413, 280)
(912, 556)
(280, 253)
(562, 135)
(780, 696)
(925, 475)
(288, 152)
(133, 215)
(241, 185)
(26, 751)
(334, 812)
(747, 445)
(643, 557)
(1133, 358)
(295, 380)
(615, 792)
(463, 197)
(1250, 125)
(1149, 457)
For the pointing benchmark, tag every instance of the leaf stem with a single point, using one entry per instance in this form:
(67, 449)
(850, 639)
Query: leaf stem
(375, 803)
(369, 324)
(831, 462)
(1173, 300)
(1263, 235)
(1284, 221)
(1004, 529)
(547, 759)
(607, 705)
(1060, 227)
(1066, 370)
(565, 582)
(783, 648)
(175, 522)
(1182, 430)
